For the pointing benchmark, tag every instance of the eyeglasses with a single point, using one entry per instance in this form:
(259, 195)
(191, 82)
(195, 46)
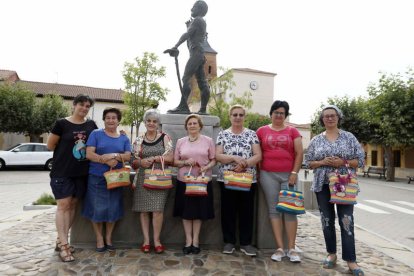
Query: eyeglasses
(278, 113)
(330, 116)
(237, 114)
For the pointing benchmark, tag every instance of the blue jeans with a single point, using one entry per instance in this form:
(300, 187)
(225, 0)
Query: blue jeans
(346, 222)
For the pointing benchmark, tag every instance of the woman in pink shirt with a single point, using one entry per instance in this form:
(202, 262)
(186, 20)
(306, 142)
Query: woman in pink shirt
(195, 152)
(282, 153)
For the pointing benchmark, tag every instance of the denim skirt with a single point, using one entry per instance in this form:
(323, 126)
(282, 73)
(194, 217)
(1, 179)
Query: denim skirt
(101, 204)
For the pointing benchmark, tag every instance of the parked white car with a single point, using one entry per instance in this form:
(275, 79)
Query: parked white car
(27, 154)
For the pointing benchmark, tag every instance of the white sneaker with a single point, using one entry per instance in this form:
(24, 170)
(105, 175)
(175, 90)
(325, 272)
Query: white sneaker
(228, 248)
(278, 255)
(293, 256)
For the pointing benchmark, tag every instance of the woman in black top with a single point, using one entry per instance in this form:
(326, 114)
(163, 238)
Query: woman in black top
(69, 175)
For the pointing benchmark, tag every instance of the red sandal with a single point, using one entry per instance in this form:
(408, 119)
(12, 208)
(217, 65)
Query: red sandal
(146, 248)
(159, 249)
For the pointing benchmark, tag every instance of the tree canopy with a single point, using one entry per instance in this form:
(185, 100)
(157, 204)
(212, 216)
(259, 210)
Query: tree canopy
(46, 111)
(385, 118)
(143, 92)
(354, 121)
(16, 108)
(22, 112)
(391, 108)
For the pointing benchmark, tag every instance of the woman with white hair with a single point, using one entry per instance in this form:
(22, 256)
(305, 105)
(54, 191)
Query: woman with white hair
(329, 151)
(149, 149)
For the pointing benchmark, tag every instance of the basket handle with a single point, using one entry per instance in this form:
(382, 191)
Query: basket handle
(162, 165)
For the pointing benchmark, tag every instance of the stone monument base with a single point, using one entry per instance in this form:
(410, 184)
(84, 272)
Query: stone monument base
(127, 232)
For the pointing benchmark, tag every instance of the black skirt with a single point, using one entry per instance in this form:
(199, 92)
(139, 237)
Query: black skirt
(193, 207)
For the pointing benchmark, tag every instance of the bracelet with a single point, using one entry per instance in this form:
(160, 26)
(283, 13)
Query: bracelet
(293, 172)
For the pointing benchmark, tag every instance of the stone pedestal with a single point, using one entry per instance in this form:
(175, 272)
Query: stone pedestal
(173, 125)
(310, 197)
(127, 232)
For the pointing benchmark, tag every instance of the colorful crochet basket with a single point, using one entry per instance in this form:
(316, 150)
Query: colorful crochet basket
(291, 202)
(158, 179)
(238, 181)
(344, 188)
(117, 177)
(195, 185)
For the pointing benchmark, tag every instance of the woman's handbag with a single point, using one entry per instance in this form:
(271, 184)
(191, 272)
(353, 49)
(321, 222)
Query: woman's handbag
(156, 179)
(195, 185)
(291, 202)
(238, 181)
(344, 188)
(118, 177)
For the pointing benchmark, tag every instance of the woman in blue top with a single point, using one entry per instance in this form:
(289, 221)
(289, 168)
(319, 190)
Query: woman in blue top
(106, 148)
(329, 151)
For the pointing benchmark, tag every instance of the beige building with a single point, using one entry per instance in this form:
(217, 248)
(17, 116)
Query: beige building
(259, 83)
(403, 159)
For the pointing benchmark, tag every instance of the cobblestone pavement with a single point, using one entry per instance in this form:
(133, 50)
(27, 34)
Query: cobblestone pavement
(28, 249)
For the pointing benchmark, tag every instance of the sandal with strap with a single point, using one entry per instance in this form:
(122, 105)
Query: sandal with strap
(357, 272)
(329, 263)
(58, 246)
(65, 254)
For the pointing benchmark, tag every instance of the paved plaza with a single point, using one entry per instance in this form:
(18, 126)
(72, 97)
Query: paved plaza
(27, 248)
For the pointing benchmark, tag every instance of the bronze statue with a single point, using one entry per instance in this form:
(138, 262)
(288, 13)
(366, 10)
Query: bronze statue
(195, 35)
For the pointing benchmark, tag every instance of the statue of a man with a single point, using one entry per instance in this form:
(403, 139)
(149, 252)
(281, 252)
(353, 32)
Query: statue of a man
(195, 35)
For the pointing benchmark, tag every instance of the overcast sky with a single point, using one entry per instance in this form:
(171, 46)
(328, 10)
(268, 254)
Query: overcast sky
(318, 49)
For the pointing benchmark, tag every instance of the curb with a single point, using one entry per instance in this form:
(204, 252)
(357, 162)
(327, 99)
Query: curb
(30, 207)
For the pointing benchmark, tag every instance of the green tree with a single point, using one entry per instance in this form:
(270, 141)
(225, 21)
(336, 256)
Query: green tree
(354, 117)
(143, 92)
(391, 108)
(219, 104)
(22, 112)
(45, 112)
(256, 120)
(16, 108)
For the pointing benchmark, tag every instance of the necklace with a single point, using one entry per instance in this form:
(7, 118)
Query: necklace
(193, 140)
(146, 137)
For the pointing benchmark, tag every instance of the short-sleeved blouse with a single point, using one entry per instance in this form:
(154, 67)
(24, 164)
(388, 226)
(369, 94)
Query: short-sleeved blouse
(237, 144)
(346, 146)
(278, 148)
(202, 151)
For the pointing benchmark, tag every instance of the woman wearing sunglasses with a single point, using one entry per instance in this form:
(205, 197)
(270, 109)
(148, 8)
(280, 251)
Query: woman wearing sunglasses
(238, 150)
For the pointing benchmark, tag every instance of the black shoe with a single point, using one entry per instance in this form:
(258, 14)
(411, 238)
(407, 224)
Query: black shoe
(100, 249)
(179, 110)
(202, 112)
(195, 249)
(187, 250)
